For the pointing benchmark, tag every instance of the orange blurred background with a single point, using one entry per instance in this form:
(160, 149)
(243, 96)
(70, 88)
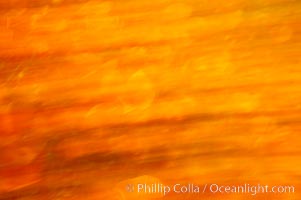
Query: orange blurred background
(96, 94)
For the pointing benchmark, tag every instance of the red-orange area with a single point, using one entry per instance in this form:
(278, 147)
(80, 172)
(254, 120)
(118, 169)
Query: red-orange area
(96, 95)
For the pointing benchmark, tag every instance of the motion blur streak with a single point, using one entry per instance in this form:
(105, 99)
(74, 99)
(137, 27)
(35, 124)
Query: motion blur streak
(96, 94)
